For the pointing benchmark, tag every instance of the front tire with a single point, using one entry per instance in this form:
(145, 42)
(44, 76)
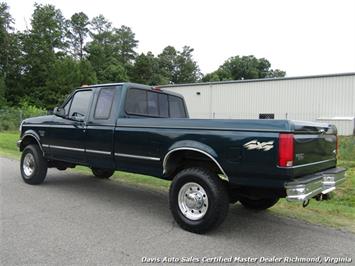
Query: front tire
(198, 200)
(258, 204)
(102, 173)
(33, 165)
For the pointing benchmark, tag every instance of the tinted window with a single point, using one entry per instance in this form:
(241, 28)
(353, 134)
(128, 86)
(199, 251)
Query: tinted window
(136, 102)
(163, 105)
(153, 104)
(104, 103)
(80, 104)
(150, 103)
(176, 107)
(67, 106)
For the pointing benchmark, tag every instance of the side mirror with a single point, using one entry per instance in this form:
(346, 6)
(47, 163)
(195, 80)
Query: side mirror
(76, 116)
(58, 111)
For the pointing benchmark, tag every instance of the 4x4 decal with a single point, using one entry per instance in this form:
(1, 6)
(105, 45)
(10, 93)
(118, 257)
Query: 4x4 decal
(256, 145)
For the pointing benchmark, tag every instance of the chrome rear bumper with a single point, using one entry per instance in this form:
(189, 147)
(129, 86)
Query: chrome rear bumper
(310, 186)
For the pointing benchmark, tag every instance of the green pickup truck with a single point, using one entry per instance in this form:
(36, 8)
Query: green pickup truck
(211, 162)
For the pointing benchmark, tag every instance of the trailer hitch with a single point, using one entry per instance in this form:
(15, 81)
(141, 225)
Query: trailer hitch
(319, 197)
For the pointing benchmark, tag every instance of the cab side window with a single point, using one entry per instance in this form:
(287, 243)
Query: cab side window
(163, 105)
(176, 107)
(104, 103)
(80, 104)
(154, 104)
(136, 102)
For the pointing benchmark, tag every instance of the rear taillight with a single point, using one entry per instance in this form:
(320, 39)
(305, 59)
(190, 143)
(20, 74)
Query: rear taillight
(286, 150)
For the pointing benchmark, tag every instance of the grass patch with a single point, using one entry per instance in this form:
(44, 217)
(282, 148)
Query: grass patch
(8, 146)
(338, 212)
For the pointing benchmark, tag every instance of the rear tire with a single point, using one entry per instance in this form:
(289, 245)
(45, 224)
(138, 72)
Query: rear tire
(102, 173)
(258, 204)
(198, 200)
(33, 165)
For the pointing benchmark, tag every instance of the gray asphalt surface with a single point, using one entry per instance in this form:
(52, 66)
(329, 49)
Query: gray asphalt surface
(75, 219)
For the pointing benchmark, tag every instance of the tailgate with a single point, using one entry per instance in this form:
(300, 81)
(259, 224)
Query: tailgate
(314, 147)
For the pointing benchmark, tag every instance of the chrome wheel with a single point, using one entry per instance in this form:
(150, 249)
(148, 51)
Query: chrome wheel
(28, 164)
(193, 201)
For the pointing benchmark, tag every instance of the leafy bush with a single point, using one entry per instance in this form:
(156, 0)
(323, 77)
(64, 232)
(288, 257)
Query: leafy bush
(347, 148)
(11, 117)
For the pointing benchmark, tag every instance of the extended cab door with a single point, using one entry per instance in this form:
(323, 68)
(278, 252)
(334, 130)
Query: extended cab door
(138, 147)
(100, 127)
(67, 135)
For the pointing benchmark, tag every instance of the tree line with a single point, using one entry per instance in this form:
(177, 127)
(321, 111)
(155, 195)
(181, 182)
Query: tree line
(42, 64)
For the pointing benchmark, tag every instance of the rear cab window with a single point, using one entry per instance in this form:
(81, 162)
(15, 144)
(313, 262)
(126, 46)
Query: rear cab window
(141, 102)
(176, 107)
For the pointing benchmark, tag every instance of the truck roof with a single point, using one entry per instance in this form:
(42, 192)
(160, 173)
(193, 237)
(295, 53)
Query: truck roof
(131, 84)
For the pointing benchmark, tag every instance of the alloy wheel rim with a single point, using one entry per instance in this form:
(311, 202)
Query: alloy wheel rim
(28, 164)
(193, 201)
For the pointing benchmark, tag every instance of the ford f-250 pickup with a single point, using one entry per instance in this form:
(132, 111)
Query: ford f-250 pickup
(211, 162)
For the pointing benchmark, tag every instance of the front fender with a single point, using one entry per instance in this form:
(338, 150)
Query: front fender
(26, 137)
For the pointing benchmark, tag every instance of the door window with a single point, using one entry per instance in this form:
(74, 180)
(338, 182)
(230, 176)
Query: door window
(80, 104)
(104, 103)
(67, 106)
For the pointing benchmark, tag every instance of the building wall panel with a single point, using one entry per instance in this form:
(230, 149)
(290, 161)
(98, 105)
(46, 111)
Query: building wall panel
(299, 99)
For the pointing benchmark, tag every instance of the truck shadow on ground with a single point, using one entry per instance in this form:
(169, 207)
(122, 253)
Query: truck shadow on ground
(263, 228)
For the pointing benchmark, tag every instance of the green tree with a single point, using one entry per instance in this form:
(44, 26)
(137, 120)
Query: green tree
(167, 64)
(87, 73)
(114, 72)
(188, 70)
(2, 92)
(13, 76)
(6, 22)
(125, 44)
(45, 62)
(11, 64)
(276, 73)
(100, 25)
(78, 30)
(146, 70)
(108, 52)
(244, 67)
(178, 67)
(5, 25)
(43, 44)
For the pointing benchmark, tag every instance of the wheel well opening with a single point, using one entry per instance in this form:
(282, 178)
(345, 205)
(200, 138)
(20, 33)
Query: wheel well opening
(27, 141)
(181, 159)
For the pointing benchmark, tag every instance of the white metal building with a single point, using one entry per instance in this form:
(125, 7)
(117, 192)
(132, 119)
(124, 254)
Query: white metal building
(329, 98)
